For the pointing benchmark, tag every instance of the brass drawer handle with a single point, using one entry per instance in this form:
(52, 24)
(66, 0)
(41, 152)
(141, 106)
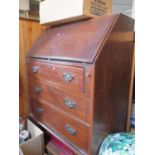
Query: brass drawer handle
(68, 76)
(69, 103)
(70, 130)
(35, 69)
(37, 90)
(39, 110)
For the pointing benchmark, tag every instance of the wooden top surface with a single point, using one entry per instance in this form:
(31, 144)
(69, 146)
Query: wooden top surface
(79, 42)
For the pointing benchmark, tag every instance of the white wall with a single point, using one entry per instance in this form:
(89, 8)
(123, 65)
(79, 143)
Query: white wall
(124, 6)
(24, 4)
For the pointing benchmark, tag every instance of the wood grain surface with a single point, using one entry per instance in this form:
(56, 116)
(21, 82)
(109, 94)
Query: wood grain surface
(29, 30)
(99, 52)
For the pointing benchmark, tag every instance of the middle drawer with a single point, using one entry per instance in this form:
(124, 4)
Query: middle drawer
(68, 102)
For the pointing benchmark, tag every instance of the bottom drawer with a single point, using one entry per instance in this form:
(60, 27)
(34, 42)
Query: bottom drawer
(74, 131)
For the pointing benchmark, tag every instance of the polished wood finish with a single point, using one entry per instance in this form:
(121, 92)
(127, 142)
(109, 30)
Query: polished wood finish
(99, 52)
(59, 43)
(57, 74)
(128, 128)
(29, 30)
(70, 102)
(112, 84)
(53, 118)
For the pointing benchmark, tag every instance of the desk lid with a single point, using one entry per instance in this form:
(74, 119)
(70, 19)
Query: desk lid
(79, 42)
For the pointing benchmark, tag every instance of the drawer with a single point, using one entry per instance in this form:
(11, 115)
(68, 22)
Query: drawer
(74, 131)
(64, 76)
(68, 102)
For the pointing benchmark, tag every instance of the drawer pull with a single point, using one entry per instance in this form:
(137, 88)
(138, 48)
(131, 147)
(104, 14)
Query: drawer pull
(70, 130)
(35, 69)
(37, 90)
(68, 76)
(69, 103)
(39, 110)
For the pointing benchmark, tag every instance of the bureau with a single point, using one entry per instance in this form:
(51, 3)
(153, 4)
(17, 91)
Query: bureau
(79, 80)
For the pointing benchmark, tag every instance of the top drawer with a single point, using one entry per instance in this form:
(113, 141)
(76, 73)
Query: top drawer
(60, 75)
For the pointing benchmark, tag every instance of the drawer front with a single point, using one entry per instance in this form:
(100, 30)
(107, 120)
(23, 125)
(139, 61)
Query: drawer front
(63, 76)
(72, 104)
(66, 126)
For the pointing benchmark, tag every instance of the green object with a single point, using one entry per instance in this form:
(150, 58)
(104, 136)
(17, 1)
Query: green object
(118, 144)
(21, 140)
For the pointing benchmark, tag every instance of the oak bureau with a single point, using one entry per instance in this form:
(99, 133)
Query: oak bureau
(79, 80)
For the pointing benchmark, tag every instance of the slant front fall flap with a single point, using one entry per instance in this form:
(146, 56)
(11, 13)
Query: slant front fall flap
(73, 42)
